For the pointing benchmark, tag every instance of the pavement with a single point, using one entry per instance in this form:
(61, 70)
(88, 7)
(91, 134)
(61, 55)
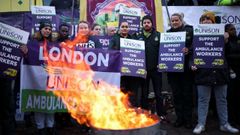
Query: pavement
(212, 128)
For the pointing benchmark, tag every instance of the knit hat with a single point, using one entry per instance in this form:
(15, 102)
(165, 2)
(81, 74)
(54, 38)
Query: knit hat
(210, 15)
(45, 24)
(147, 17)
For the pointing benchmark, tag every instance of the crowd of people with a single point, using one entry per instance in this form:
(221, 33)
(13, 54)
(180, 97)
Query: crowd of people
(223, 82)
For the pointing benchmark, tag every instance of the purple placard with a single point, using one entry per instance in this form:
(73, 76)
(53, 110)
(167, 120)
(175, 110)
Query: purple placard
(62, 16)
(36, 19)
(133, 58)
(133, 22)
(98, 59)
(209, 51)
(10, 58)
(171, 57)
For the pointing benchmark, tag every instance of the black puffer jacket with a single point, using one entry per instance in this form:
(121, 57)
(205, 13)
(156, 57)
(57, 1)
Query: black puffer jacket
(212, 77)
(151, 48)
(115, 42)
(233, 54)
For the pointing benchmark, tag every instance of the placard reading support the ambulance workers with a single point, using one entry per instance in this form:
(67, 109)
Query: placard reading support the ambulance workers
(171, 57)
(11, 39)
(133, 57)
(43, 13)
(132, 16)
(208, 46)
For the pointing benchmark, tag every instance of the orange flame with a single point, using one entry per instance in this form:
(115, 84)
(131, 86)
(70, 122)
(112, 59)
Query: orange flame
(96, 104)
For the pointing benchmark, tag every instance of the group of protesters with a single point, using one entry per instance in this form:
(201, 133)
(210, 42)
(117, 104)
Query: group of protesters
(224, 82)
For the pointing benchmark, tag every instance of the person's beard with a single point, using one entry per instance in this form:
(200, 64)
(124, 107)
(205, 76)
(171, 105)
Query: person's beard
(148, 29)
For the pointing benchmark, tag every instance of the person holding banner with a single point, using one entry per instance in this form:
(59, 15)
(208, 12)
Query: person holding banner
(123, 33)
(182, 90)
(63, 32)
(7, 103)
(233, 58)
(84, 39)
(208, 79)
(44, 35)
(63, 119)
(151, 37)
(129, 84)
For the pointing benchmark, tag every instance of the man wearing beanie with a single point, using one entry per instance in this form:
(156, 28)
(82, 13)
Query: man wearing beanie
(152, 41)
(208, 80)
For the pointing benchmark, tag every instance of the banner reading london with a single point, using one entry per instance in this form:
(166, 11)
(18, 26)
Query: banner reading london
(39, 79)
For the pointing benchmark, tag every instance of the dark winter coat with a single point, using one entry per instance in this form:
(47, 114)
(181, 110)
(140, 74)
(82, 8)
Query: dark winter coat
(187, 75)
(151, 48)
(115, 42)
(233, 54)
(212, 76)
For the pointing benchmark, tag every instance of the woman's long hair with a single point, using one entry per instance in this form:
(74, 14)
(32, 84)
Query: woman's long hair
(38, 36)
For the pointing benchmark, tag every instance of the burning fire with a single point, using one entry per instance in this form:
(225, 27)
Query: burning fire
(96, 104)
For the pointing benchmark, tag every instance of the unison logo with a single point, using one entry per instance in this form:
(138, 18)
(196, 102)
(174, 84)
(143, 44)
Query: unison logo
(172, 38)
(6, 32)
(207, 30)
(40, 10)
